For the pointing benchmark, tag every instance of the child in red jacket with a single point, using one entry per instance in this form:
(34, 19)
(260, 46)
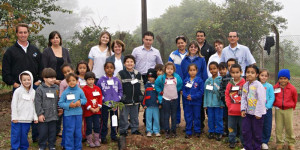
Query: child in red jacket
(285, 102)
(91, 111)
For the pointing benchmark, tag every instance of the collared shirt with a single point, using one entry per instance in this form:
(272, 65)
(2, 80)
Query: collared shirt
(242, 54)
(146, 59)
(215, 57)
(24, 47)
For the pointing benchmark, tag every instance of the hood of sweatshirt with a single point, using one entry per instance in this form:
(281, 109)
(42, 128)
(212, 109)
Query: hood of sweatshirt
(31, 77)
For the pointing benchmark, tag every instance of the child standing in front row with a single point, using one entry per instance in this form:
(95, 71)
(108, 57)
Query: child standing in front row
(22, 112)
(168, 86)
(267, 127)
(233, 97)
(46, 99)
(213, 103)
(192, 92)
(285, 102)
(252, 109)
(91, 110)
(112, 91)
(71, 100)
(81, 69)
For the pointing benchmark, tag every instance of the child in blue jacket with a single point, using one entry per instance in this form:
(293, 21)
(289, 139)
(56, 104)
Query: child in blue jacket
(71, 100)
(213, 103)
(192, 91)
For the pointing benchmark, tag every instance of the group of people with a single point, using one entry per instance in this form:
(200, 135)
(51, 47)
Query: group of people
(223, 83)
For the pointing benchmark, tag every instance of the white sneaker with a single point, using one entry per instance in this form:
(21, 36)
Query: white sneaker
(157, 134)
(149, 134)
(243, 149)
(264, 146)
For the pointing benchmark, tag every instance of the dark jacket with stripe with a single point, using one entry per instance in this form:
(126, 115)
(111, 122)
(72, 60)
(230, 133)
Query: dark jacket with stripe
(150, 96)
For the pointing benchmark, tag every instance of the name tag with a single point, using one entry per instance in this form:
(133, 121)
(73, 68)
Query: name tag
(96, 93)
(110, 82)
(170, 82)
(277, 90)
(189, 85)
(153, 85)
(50, 95)
(82, 83)
(235, 88)
(26, 97)
(209, 87)
(134, 81)
(71, 97)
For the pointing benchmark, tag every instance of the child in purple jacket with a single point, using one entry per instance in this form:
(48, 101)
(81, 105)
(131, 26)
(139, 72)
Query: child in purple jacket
(253, 108)
(112, 91)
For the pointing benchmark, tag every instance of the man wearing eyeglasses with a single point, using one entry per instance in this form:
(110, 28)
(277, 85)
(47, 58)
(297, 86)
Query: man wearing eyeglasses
(206, 49)
(237, 51)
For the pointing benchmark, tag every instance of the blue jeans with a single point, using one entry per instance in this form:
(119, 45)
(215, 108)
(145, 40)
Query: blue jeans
(233, 123)
(19, 134)
(215, 120)
(73, 134)
(92, 123)
(152, 113)
(192, 117)
(170, 109)
(267, 128)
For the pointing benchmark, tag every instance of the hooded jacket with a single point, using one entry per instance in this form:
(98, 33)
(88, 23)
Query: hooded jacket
(64, 101)
(196, 91)
(286, 98)
(212, 97)
(46, 99)
(22, 105)
(110, 92)
(233, 97)
(200, 63)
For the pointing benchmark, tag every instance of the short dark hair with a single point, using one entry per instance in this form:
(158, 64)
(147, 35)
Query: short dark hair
(71, 75)
(66, 65)
(22, 25)
(213, 63)
(159, 67)
(231, 59)
(52, 35)
(200, 31)
(109, 62)
(236, 66)
(180, 37)
(191, 66)
(169, 64)
(148, 33)
(118, 42)
(89, 75)
(237, 34)
(129, 57)
(82, 62)
(254, 67)
(222, 65)
(219, 41)
(48, 73)
(24, 74)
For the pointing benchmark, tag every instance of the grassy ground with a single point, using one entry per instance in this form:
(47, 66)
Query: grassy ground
(142, 142)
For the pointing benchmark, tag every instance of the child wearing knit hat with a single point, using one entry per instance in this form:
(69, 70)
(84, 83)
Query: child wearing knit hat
(285, 102)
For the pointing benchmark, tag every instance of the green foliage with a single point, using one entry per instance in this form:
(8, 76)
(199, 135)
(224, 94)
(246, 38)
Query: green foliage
(114, 105)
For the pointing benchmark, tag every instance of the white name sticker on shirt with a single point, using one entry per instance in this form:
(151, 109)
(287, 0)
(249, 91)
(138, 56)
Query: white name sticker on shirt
(71, 97)
(189, 85)
(110, 82)
(50, 95)
(235, 88)
(134, 81)
(96, 93)
(26, 97)
(209, 87)
(277, 90)
(170, 82)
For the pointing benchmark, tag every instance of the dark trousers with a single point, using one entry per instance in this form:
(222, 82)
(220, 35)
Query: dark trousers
(225, 119)
(252, 132)
(47, 133)
(106, 113)
(267, 127)
(234, 124)
(178, 113)
(92, 123)
(161, 118)
(58, 124)
(170, 109)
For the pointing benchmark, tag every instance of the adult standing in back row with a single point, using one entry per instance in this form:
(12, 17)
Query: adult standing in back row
(237, 51)
(206, 49)
(146, 56)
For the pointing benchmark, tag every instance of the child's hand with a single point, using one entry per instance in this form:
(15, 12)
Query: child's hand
(205, 108)
(97, 109)
(15, 121)
(35, 121)
(157, 101)
(78, 103)
(243, 114)
(72, 105)
(159, 106)
(189, 97)
(41, 118)
(257, 117)
(145, 107)
(60, 112)
(92, 110)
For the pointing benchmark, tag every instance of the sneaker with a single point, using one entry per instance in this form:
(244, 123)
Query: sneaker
(174, 135)
(53, 148)
(243, 149)
(264, 146)
(124, 134)
(218, 137)
(167, 135)
(188, 136)
(232, 145)
(115, 139)
(211, 135)
(198, 135)
(104, 141)
(157, 134)
(149, 134)
(137, 132)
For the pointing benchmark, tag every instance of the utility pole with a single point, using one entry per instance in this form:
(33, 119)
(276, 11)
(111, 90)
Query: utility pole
(144, 17)
(276, 52)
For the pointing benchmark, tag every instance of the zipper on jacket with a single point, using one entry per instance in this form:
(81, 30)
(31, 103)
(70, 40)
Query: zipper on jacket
(282, 98)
